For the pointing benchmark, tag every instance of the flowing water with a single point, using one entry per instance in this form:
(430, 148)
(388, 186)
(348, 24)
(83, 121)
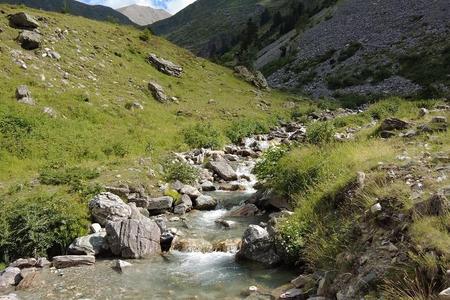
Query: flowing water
(178, 275)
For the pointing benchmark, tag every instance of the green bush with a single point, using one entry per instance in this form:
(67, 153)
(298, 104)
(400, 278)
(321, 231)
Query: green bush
(14, 132)
(174, 194)
(59, 175)
(202, 136)
(349, 51)
(145, 35)
(245, 128)
(265, 168)
(174, 170)
(32, 226)
(320, 133)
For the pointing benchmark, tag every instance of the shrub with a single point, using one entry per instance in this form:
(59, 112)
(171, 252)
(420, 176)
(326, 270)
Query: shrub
(116, 149)
(58, 175)
(320, 133)
(202, 136)
(174, 170)
(265, 169)
(349, 51)
(33, 226)
(244, 128)
(174, 194)
(14, 132)
(145, 35)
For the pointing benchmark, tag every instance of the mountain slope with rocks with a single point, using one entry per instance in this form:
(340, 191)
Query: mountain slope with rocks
(73, 7)
(143, 15)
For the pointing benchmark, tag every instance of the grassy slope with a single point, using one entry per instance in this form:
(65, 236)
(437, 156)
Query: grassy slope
(110, 70)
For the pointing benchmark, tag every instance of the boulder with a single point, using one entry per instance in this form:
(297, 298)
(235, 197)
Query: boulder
(134, 238)
(258, 246)
(257, 78)
(93, 244)
(184, 206)
(23, 263)
(10, 276)
(23, 20)
(191, 191)
(68, 261)
(205, 203)
(159, 204)
(29, 280)
(29, 40)
(42, 262)
(157, 92)
(208, 186)
(394, 124)
(121, 265)
(226, 223)
(95, 227)
(436, 205)
(166, 241)
(192, 245)
(246, 210)
(165, 66)
(23, 95)
(293, 294)
(386, 134)
(222, 169)
(108, 207)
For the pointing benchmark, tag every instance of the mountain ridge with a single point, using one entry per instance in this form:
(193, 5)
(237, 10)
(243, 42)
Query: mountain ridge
(143, 15)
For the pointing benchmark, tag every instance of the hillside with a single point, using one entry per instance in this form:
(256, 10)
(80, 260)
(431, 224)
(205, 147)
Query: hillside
(73, 7)
(143, 15)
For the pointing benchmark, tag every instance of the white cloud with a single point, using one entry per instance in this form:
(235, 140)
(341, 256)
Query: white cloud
(172, 6)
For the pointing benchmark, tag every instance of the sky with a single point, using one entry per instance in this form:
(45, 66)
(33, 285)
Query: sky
(172, 6)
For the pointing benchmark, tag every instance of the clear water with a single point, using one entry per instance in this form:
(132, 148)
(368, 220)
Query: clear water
(177, 275)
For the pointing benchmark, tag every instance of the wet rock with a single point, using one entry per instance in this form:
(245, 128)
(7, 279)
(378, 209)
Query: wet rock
(394, 124)
(92, 244)
(165, 66)
(205, 203)
(166, 241)
(184, 206)
(246, 210)
(23, 95)
(258, 246)
(157, 92)
(23, 20)
(68, 261)
(134, 238)
(10, 276)
(226, 223)
(229, 245)
(208, 186)
(222, 169)
(22, 263)
(106, 207)
(293, 294)
(192, 245)
(29, 40)
(121, 265)
(304, 281)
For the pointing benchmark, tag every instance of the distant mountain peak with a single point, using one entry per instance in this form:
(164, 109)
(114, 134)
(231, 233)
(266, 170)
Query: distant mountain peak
(143, 15)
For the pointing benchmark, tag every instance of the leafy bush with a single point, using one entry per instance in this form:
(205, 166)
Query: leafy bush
(33, 226)
(14, 131)
(244, 128)
(174, 170)
(59, 175)
(202, 136)
(116, 149)
(145, 35)
(320, 133)
(174, 194)
(265, 169)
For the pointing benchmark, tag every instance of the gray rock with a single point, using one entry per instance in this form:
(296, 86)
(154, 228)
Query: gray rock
(29, 40)
(23, 20)
(257, 78)
(436, 205)
(134, 238)
(22, 263)
(292, 294)
(177, 185)
(258, 246)
(222, 169)
(226, 223)
(92, 244)
(191, 191)
(423, 112)
(11, 276)
(30, 278)
(95, 227)
(192, 245)
(445, 294)
(205, 203)
(11, 296)
(184, 206)
(42, 262)
(439, 120)
(245, 210)
(23, 95)
(157, 92)
(121, 265)
(208, 186)
(68, 261)
(161, 203)
(385, 134)
(108, 207)
(165, 66)
(50, 112)
(394, 124)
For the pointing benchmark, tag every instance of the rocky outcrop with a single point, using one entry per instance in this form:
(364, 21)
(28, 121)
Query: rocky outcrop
(256, 78)
(157, 92)
(29, 40)
(134, 238)
(184, 206)
(165, 66)
(23, 20)
(205, 203)
(106, 207)
(394, 124)
(68, 261)
(258, 246)
(92, 244)
(245, 210)
(10, 277)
